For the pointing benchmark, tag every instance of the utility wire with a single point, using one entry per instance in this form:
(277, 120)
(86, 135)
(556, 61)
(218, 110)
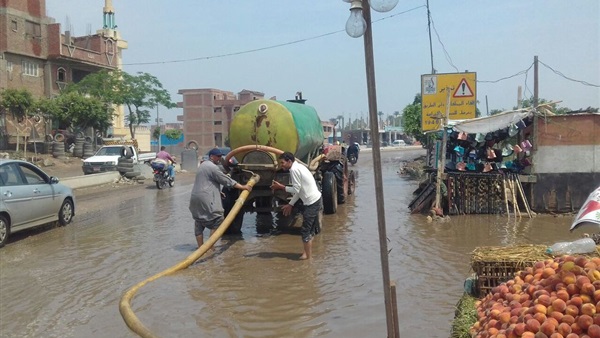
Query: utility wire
(263, 48)
(566, 77)
(448, 58)
(508, 77)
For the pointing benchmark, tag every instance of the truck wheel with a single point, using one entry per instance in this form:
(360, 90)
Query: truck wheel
(4, 230)
(329, 193)
(263, 202)
(351, 183)
(338, 171)
(236, 225)
(231, 195)
(126, 152)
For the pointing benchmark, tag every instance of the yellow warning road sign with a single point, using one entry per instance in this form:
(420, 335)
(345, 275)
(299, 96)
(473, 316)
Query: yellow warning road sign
(463, 99)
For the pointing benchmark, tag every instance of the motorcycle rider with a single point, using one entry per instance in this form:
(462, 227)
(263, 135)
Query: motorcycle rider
(164, 155)
(353, 149)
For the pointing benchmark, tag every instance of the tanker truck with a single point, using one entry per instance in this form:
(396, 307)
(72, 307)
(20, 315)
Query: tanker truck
(262, 130)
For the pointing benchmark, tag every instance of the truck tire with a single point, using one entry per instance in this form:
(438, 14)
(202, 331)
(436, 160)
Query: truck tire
(192, 145)
(341, 183)
(126, 152)
(231, 195)
(131, 174)
(330, 195)
(59, 137)
(125, 160)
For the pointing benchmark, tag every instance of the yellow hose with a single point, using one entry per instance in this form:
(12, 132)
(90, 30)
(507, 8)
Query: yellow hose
(125, 304)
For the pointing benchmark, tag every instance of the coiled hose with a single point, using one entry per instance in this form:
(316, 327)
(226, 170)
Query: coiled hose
(127, 313)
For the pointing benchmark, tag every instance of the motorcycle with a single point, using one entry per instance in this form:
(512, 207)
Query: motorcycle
(161, 174)
(352, 158)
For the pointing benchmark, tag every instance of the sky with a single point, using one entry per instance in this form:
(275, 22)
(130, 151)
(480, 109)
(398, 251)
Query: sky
(280, 47)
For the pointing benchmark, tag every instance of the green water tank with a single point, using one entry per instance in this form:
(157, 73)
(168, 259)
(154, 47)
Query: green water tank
(287, 126)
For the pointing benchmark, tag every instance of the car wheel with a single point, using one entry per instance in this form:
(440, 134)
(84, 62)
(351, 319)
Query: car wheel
(4, 230)
(65, 215)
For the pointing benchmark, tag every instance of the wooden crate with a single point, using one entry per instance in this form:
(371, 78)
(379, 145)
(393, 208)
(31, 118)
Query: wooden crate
(493, 273)
(495, 265)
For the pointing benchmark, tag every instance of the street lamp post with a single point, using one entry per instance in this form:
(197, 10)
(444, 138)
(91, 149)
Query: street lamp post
(358, 24)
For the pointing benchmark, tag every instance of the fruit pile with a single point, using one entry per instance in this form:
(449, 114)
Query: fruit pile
(557, 298)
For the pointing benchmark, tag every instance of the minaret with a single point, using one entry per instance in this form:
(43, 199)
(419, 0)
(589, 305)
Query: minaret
(109, 15)
(114, 54)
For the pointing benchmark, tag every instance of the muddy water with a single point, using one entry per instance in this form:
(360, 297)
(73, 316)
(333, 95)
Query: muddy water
(66, 282)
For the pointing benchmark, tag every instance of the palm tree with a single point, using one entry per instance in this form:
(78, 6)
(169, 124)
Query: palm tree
(341, 117)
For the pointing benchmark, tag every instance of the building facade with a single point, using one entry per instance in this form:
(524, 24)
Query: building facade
(36, 55)
(207, 114)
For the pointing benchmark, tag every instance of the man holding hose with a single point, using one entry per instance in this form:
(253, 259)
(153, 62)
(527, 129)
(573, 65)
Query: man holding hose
(304, 187)
(205, 203)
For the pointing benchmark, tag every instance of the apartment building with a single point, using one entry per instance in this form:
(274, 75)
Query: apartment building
(36, 55)
(207, 114)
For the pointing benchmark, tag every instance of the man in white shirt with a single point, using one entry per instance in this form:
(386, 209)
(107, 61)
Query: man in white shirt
(304, 188)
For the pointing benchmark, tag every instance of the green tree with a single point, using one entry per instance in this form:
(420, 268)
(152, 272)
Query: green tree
(411, 120)
(140, 93)
(156, 133)
(19, 102)
(173, 134)
(77, 111)
(397, 120)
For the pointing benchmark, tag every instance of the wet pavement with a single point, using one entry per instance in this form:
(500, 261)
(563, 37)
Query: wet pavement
(67, 281)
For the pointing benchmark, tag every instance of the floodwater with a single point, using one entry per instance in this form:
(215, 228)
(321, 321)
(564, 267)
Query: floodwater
(67, 281)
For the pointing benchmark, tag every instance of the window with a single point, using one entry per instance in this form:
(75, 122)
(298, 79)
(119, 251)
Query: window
(30, 68)
(217, 109)
(33, 29)
(10, 175)
(13, 25)
(9, 66)
(61, 75)
(217, 123)
(236, 109)
(31, 176)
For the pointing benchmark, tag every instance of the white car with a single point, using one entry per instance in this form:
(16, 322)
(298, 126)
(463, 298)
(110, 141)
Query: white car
(29, 197)
(398, 143)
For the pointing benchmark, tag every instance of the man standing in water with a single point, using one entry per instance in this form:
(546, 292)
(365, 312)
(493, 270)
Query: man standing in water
(205, 203)
(304, 187)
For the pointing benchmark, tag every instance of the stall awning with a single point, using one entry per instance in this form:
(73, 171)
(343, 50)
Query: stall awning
(488, 124)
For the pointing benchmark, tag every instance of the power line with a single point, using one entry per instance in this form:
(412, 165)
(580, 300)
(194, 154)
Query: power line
(262, 48)
(508, 77)
(448, 58)
(566, 77)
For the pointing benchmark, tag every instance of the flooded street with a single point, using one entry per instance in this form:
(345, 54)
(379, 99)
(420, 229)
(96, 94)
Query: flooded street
(67, 282)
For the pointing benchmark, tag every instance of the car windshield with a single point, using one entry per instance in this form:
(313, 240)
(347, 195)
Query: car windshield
(109, 151)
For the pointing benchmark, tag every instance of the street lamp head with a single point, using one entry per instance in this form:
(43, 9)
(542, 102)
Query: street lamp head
(356, 24)
(383, 5)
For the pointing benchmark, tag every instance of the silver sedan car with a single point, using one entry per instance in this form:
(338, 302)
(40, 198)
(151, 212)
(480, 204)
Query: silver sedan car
(29, 197)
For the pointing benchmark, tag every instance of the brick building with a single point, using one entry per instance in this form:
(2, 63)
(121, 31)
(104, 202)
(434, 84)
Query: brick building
(207, 114)
(37, 56)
